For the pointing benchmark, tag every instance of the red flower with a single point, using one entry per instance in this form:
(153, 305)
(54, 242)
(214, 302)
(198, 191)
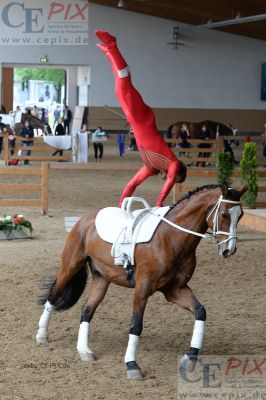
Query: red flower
(17, 220)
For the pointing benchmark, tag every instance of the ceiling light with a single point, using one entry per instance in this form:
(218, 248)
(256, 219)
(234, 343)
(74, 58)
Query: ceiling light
(44, 59)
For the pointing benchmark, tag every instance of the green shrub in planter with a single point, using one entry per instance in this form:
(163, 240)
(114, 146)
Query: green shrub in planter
(225, 168)
(248, 172)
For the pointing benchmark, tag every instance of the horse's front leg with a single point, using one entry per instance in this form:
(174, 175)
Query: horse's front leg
(140, 300)
(185, 299)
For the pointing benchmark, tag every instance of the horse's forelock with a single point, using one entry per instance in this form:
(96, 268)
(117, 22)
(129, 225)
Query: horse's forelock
(233, 194)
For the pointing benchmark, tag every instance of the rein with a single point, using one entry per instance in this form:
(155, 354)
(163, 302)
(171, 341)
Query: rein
(215, 229)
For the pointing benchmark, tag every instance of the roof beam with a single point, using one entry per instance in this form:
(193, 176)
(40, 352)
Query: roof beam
(234, 21)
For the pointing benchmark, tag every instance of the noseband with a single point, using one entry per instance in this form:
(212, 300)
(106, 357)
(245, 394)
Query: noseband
(215, 229)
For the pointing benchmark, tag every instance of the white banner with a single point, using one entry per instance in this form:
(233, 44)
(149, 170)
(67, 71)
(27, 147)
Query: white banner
(44, 23)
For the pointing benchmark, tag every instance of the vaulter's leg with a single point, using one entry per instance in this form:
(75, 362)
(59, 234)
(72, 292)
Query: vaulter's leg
(129, 98)
(141, 295)
(137, 179)
(98, 290)
(185, 299)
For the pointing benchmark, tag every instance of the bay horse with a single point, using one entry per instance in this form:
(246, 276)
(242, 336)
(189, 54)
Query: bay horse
(165, 264)
(215, 128)
(35, 122)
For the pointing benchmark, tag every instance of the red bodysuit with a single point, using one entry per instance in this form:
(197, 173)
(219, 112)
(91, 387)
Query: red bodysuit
(156, 155)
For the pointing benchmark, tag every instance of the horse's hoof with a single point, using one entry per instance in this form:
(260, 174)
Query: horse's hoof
(133, 371)
(41, 339)
(87, 356)
(134, 374)
(187, 364)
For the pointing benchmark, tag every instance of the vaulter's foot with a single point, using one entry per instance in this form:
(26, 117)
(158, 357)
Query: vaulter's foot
(108, 40)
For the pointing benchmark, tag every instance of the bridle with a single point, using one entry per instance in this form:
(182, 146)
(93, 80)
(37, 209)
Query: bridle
(215, 230)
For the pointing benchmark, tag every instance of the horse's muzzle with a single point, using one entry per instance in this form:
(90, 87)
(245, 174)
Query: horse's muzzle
(227, 252)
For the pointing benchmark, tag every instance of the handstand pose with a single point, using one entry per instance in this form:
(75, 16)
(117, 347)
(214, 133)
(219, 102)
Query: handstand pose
(157, 156)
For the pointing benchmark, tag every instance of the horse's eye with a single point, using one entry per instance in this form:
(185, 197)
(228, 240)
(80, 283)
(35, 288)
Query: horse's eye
(225, 215)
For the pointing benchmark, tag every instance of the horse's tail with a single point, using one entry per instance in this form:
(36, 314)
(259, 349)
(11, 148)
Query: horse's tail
(71, 293)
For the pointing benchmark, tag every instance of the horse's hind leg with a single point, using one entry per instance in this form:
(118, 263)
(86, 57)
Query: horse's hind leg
(68, 286)
(98, 290)
(185, 299)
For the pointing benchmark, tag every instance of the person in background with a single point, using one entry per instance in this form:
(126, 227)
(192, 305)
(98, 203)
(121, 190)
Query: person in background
(27, 133)
(59, 131)
(172, 133)
(183, 134)
(155, 153)
(3, 109)
(228, 149)
(133, 144)
(35, 112)
(47, 129)
(3, 130)
(12, 142)
(67, 119)
(98, 137)
(56, 115)
(264, 143)
(121, 143)
(204, 134)
(43, 116)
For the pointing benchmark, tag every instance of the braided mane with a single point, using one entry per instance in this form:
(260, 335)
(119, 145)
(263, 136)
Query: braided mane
(233, 193)
(191, 193)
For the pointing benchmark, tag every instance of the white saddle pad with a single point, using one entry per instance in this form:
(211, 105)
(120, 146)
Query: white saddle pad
(113, 224)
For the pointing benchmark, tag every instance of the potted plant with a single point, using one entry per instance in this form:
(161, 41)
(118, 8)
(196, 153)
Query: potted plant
(248, 173)
(225, 168)
(16, 227)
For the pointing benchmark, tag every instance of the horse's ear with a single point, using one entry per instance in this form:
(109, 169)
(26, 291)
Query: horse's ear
(224, 190)
(243, 189)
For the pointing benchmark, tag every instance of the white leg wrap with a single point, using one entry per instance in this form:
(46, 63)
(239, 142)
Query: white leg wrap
(83, 337)
(83, 342)
(131, 348)
(42, 335)
(198, 333)
(123, 73)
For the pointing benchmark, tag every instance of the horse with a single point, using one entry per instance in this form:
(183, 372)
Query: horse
(35, 122)
(215, 128)
(165, 264)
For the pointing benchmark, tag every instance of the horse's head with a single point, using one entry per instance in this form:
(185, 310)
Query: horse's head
(224, 217)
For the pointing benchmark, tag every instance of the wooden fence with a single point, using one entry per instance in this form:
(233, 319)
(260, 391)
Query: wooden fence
(40, 151)
(43, 186)
(194, 154)
(20, 189)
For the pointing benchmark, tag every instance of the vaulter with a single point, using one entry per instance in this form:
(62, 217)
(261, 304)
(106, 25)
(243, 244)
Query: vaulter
(156, 155)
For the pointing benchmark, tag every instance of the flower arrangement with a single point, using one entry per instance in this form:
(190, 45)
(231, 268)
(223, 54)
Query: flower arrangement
(15, 223)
